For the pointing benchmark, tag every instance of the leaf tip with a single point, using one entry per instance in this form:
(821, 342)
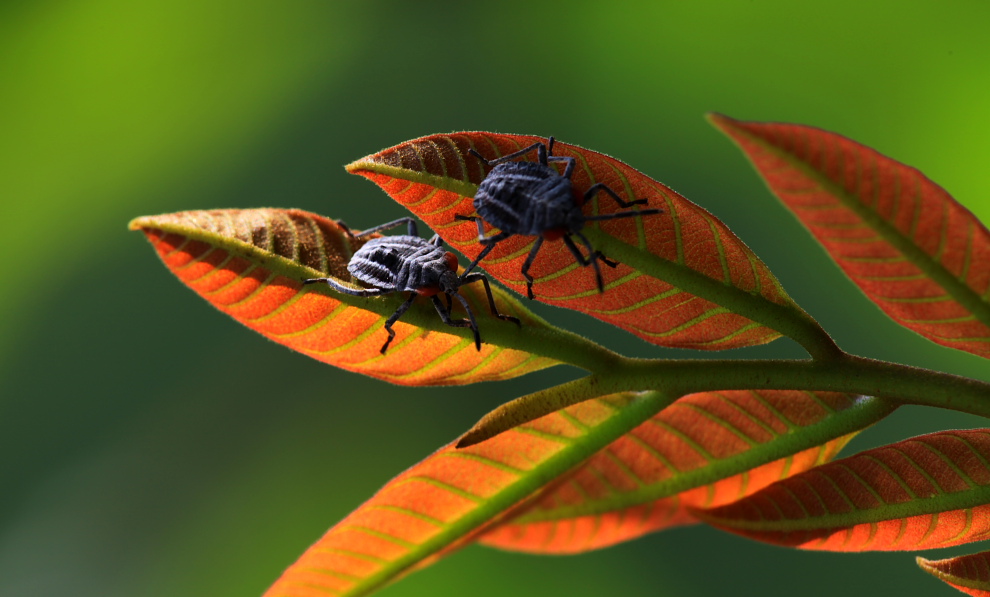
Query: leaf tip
(721, 121)
(472, 437)
(358, 165)
(138, 223)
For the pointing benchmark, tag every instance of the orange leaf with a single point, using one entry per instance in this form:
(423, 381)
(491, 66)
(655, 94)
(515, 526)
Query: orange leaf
(923, 258)
(644, 481)
(249, 264)
(699, 259)
(441, 503)
(970, 574)
(929, 491)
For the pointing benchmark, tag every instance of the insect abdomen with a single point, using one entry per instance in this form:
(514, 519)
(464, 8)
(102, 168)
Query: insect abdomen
(524, 198)
(397, 263)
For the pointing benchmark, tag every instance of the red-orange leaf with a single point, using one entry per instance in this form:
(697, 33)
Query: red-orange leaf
(676, 269)
(923, 258)
(250, 263)
(644, 481)
(929, 491)
(970, 574)
(444, 501)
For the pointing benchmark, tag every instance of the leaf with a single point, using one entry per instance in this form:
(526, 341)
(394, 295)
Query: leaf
(923, 258)
(441, 503)
(929, 491)
(454, 495)
(250, 263)
(970, 574)
(704, 450)
(678, 270)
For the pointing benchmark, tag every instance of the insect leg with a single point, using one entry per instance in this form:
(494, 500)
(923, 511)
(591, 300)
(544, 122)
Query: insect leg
(601, 186)
(569, 168)
(481, 255)
(476, 220)
(347, 289)
(529, 262)
(592, 259)
(485, 240)
(491, 299)
(395, 317)
(390, 225)
(624, 214)
(541, 154)
(459, 323)
(606, 260)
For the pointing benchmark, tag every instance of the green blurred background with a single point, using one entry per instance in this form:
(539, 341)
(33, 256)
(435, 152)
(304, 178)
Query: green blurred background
(152, 447)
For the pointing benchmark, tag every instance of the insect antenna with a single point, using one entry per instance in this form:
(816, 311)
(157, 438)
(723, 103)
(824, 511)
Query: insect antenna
(409, 222)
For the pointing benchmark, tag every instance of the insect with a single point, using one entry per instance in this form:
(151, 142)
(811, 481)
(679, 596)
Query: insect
(407, 262)
(531, 198)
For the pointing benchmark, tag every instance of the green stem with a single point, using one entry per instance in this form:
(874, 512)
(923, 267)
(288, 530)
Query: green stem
(899, 384)
(847, 373)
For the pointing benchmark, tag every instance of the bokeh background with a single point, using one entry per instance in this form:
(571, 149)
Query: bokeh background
(153, 447)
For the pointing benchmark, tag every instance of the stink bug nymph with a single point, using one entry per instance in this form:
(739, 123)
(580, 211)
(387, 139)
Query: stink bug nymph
(408, 263)
(533, 199)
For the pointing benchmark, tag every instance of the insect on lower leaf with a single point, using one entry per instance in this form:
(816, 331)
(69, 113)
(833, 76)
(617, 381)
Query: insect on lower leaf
(408, 263)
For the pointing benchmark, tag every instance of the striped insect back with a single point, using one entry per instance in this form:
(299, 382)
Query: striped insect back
(524, 196)
(532, 199)
(408, 263)
(377, 263)
(402, 263)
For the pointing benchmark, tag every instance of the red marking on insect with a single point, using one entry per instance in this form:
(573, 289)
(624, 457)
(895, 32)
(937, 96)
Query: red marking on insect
(428, 290)
(451, 260)
(554, 233)
(578, 197)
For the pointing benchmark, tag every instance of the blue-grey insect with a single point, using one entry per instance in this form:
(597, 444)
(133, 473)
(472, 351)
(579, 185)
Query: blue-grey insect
(533, 199)
(409, 263)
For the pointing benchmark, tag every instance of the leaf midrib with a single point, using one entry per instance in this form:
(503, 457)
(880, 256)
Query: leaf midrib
(860, 415)
(568, 457)
(542, 338)
(789, 320)
(939, 504)
(933, 268)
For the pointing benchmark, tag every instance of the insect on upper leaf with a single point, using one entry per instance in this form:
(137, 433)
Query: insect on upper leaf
(533, 199)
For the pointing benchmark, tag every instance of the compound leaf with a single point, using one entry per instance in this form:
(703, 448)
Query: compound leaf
(704, 450)
(684, 280)
(249, 263)
(925, 492)
(444, 501)
(970, 574)
(923, 258)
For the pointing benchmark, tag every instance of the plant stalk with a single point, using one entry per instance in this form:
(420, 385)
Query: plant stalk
(897, 384)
